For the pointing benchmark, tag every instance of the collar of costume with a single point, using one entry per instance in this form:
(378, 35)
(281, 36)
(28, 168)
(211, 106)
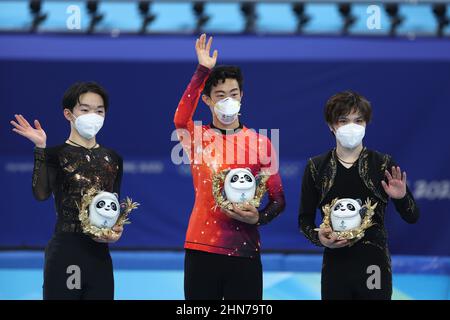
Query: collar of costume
(324, 172)
(227, 131)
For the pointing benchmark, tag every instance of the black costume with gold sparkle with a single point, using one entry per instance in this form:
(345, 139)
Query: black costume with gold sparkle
(344, 270)
(67, 171)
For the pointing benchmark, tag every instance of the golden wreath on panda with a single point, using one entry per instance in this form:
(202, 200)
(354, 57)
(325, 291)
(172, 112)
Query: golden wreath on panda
(348, 218)
(239, 186)
(100, 211)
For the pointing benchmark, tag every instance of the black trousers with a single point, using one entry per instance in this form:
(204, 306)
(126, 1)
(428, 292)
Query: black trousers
(77, 268)
(209, 276)
(360, 272)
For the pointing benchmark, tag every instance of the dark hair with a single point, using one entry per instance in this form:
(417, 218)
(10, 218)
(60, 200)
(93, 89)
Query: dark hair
(72, 95)
(344, 103)
(221, 73)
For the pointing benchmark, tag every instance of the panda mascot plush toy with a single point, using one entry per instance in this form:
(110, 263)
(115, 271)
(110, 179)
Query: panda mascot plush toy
(239, 185)
(347, 214)
(104, 210)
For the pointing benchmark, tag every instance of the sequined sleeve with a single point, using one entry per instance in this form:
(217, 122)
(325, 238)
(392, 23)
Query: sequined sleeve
(44, 173)
(118, 180)
(309, 201)
(406, 207)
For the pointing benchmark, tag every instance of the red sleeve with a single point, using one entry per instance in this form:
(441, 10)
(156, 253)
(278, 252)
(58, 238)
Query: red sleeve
(189, 101)
(275, 191)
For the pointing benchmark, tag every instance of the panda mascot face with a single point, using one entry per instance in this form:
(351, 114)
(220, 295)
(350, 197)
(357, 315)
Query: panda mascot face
(240, 185)
(104, 210)
(345, 214)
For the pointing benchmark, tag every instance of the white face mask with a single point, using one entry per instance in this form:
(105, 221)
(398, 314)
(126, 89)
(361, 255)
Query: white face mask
(351, 135)
(227, 110)
(88, 125)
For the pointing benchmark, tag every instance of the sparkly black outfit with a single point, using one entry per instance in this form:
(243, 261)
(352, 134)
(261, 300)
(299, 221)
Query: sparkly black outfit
(344, 270)
(68, 171)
